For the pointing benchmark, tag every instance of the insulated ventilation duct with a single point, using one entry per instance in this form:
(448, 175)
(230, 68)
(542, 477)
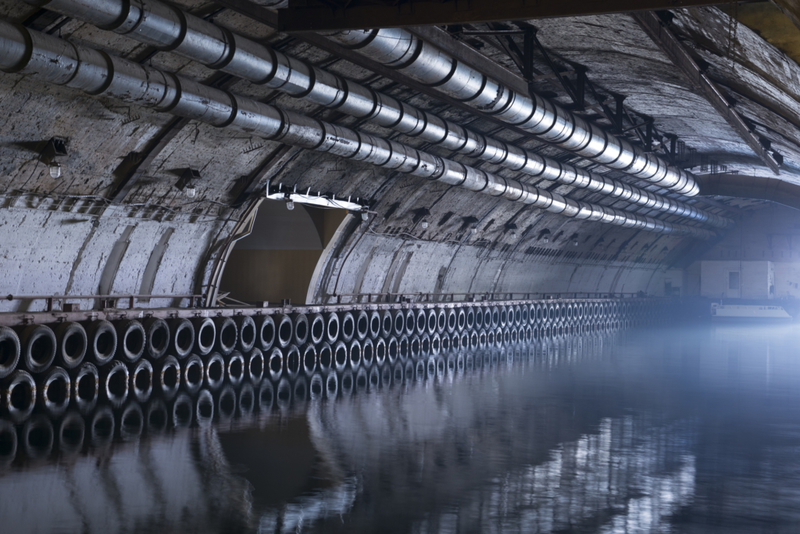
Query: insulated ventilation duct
(54, 60)
(168, 28)
(401, 50)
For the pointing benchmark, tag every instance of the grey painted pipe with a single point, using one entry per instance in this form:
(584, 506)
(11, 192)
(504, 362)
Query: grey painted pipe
(54, 60)
(166, 27)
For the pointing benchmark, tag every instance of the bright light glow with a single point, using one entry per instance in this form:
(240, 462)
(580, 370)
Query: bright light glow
(55, 170)
(313, 200)
(424, 225)
(289, 205)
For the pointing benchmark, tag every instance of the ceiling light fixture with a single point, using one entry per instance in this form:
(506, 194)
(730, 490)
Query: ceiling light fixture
(321, 200)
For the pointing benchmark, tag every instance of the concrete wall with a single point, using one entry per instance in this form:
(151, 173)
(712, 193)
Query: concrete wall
(383, 264)
(47, 252)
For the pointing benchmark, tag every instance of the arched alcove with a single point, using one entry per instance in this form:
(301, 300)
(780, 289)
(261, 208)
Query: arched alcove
(277, 260)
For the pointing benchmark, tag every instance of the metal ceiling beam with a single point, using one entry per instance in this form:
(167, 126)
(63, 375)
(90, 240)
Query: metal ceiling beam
(680, 57)
(315, 15)
(750, 187)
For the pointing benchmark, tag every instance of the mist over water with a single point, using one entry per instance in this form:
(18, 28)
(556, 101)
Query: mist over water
(692, 429)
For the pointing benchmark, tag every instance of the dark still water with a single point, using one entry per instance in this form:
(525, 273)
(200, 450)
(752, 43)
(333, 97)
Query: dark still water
(660, 430)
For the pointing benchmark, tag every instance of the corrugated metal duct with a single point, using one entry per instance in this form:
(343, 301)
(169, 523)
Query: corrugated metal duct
(168, 28)
(57, 61)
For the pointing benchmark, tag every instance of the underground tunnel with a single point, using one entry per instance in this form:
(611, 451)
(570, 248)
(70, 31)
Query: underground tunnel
(421, 266)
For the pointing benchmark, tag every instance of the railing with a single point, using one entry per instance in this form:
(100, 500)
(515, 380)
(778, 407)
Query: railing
(366, 298)
(105, 301)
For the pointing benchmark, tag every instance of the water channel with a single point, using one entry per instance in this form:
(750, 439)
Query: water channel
(651, 430)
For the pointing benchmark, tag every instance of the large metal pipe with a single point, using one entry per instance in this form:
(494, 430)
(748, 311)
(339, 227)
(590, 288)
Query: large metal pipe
(424, 62)
(169, 28)
(54, 60)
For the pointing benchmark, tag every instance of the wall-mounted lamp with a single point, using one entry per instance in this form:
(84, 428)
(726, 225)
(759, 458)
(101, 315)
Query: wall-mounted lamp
(511, 228)
(574, 239)
(424, 224)
(186, 183)
(54, 148)
(544, 235)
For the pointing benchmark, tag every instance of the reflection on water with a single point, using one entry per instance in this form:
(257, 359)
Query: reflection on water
(664, 430)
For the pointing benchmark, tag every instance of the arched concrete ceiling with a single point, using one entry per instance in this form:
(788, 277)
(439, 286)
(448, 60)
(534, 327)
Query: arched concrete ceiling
(116, 213)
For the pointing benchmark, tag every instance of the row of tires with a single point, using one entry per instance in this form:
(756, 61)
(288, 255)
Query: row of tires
(36, 348)
(101, 417)
(84, 385)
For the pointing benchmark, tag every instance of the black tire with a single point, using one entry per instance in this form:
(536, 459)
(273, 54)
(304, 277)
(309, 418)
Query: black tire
(38, 348)
(142, 380)
(255, 366)
(367, 353)
(72, 343)
(182, 410)
(355, 354)
(205, 335)
(430, 321)
(55, 391)
(293, 361)
(214, 371)
(348, 324)
(325, 357)
(284, 329)
(399, 322)
(374, 324)
(132, 340)
(193, 373)
(362, 325)
(236, 369)
(411, 326)
(316, 328)
(300, 325)
(451, 320)
(19, 394)
(86, 387)
(265, 328)
(387, 323)
(380, 351)
(114, 381)
(10, 350)
(157, 334)
(182, 337)
(247, 333)
(275, 363)
(332, 327)
(340, 356)
(204, 408)
(441, 321)
(102, 342)
(227, 335)
(168, 376)
(309, 355)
